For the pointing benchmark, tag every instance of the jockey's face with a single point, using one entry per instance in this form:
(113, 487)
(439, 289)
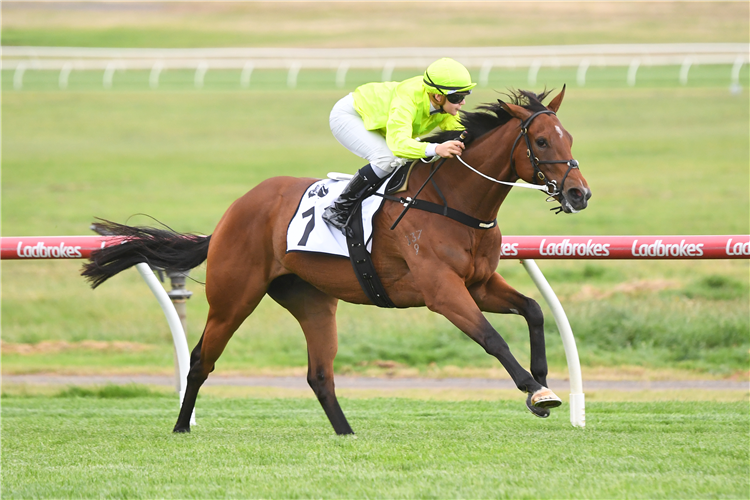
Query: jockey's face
(439, 100)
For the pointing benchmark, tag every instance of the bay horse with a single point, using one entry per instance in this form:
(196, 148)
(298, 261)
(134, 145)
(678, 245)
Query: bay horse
(453, 272)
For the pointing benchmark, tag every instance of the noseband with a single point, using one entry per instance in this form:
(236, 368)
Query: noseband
(552, 188)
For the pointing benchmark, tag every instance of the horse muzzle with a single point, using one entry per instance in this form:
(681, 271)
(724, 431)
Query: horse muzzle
(574, 199)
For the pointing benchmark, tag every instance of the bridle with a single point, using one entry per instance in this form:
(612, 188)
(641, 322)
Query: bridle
(551, 185)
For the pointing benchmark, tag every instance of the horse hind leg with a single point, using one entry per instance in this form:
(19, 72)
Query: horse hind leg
(316, 313)
(194, 383)
(223, 320)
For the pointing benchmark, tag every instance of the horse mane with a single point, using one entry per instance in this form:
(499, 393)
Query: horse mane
(490, 116)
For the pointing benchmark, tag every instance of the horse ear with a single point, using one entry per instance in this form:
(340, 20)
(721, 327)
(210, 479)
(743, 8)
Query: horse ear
(515, 111)
(554, 105)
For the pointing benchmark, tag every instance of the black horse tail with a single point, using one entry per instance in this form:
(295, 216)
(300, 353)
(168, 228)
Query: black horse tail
(163, 249)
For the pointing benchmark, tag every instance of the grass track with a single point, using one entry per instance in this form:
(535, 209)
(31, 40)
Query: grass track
(661, 158)
(648, 151)
(270, 448)
(183, 156)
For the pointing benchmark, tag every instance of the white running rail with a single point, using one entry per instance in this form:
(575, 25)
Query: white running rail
(293, 60)
(386, 59)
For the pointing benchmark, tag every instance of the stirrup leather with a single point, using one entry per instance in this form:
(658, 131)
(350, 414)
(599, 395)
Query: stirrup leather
(363, 184)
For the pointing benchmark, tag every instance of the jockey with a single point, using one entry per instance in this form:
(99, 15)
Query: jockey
(379, 122)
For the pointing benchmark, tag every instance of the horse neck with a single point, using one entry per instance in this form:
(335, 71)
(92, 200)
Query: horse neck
(471, 193)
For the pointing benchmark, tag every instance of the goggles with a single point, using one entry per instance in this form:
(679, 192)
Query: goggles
(456, 97)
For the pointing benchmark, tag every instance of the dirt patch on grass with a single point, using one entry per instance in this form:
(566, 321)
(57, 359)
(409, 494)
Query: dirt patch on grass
(374, 369)
(589, 292)
(55, 346)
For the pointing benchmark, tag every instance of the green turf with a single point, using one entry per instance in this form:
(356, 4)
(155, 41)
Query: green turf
(65, 161)
(661, 158)
(184, 156)
(117, 445)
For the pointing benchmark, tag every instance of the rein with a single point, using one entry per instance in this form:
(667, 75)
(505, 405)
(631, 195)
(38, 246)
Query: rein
(525, 185)
(549, 187)
(444, 209)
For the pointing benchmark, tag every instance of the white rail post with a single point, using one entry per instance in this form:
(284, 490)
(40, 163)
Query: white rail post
(62, 80)
(200, 74)
(684, 70)
(577, 400)
(735, 86)
(247, 72)
(18, 76)
(291, 77)
(179, 296)
(109, 75)
(534, 71)
(632, 71)
(387, 72)
(341, 74)
(175, 326)
(153, 77)
(484, 73)
(583, 67)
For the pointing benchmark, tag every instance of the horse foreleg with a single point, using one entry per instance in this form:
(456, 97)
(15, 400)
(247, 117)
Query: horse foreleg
(447, 295)
(496, 296)
(316, 313)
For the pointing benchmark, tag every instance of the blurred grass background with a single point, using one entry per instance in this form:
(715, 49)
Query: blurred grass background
(369, 24)
(661, 158)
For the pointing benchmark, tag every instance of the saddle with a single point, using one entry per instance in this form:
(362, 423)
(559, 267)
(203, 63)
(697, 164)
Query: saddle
(308, 232)
(399, 181)
(360, 257)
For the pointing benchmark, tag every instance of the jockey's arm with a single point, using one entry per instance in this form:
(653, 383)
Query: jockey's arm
(399, 130)
(449, 149)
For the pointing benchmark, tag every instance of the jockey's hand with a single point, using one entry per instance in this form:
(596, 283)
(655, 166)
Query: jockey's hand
(449, 149)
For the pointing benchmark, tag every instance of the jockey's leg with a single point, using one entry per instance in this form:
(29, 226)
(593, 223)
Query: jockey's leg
(349, 129)
(364, 183)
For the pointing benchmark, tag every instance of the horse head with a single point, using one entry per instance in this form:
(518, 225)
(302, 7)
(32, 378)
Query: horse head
(547, 158)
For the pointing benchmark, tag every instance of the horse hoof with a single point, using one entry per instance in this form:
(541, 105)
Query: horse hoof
(535, 410)
(181, 430)
(544, 398)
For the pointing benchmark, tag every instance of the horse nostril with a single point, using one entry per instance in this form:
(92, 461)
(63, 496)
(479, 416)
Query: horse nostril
(575, 194)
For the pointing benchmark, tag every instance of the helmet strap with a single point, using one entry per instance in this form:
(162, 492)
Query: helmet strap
(433, 84)
(435, 103)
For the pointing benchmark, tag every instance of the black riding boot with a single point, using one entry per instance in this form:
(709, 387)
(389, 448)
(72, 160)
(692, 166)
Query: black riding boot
(363, 184)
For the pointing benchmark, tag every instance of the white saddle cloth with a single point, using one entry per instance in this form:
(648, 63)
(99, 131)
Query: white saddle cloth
(308, 232)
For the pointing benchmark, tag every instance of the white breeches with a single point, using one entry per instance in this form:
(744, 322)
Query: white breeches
(349, 129)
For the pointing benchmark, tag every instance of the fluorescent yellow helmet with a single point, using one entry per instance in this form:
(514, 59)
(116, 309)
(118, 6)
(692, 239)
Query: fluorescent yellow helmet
(446, 76)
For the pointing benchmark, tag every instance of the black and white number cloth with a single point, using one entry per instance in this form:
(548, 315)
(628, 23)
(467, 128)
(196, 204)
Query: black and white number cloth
(308, 232)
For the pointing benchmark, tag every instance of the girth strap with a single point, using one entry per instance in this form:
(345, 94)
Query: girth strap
(362, 262)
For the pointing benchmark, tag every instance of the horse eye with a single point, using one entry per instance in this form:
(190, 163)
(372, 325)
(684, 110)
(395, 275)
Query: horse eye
(541, 142)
